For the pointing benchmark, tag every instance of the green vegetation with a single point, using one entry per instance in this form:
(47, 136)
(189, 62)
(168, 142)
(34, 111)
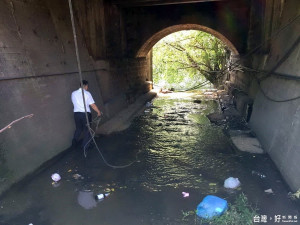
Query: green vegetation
(188, 58)
(238, 213)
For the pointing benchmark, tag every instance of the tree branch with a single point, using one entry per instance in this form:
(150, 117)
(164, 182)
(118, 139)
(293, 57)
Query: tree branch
(15, 121)
(200, 47)
(185, 39)
(183, 68)
(178, 47)
(172, 61)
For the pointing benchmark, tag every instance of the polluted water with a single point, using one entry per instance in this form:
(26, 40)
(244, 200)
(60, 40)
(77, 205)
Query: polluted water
(179, 159)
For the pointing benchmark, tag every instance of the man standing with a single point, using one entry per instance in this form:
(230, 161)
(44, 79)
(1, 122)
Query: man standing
(79, 114)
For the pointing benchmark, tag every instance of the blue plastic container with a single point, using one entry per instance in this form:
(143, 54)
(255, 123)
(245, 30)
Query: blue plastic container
(211, 206)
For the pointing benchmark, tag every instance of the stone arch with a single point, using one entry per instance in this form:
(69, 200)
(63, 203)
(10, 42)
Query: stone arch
(147, 46)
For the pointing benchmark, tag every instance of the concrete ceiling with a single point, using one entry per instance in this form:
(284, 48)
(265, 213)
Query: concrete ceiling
(133, 3)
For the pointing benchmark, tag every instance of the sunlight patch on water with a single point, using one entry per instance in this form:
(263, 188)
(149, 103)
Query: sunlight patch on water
(181, 144)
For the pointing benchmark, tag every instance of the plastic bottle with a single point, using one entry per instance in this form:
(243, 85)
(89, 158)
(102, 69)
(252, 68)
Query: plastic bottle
(258, 174)
(101, 196)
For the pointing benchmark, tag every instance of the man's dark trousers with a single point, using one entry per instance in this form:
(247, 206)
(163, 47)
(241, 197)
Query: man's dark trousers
(81, 127)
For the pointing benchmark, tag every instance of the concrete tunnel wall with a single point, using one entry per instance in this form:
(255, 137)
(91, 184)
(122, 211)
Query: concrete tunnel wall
(277, 124)
(36, 42)
(37, 61)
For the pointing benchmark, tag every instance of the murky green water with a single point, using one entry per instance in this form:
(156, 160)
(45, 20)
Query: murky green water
(175, 149)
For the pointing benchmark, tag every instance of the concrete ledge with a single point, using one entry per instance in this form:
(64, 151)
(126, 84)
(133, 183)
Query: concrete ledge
(244, 141)
(115, 105)
(121, 121)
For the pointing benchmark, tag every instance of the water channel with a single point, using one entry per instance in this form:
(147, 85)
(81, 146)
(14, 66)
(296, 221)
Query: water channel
(174, 148)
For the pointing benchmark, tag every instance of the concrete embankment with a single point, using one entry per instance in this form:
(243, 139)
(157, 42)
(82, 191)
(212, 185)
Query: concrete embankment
(122, 120)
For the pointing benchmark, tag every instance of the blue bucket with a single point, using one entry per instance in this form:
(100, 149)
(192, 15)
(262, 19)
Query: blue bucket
(211, 206)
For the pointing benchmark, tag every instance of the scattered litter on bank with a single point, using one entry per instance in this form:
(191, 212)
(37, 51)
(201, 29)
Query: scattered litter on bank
(211, 206)
(232, 183)
(295, 195)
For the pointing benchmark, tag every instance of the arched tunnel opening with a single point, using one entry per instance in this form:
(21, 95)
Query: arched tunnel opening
(189, 60)
(168, 132)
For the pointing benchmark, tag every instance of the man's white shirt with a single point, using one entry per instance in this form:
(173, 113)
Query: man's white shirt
(78, 101)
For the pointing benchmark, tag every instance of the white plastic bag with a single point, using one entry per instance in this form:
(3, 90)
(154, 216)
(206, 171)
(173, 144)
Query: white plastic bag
(232, 182)
(55, 177)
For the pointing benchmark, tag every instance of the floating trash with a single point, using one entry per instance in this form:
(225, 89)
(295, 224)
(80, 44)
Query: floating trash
(211, 206)
(185, 194)
(77, 176)
(269, 191)
(232, 183)
(261, 175)
(56, 177)
(107, 190)
(102, 196)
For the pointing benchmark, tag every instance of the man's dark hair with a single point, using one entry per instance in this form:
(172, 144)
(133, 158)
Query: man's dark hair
(84, 82)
